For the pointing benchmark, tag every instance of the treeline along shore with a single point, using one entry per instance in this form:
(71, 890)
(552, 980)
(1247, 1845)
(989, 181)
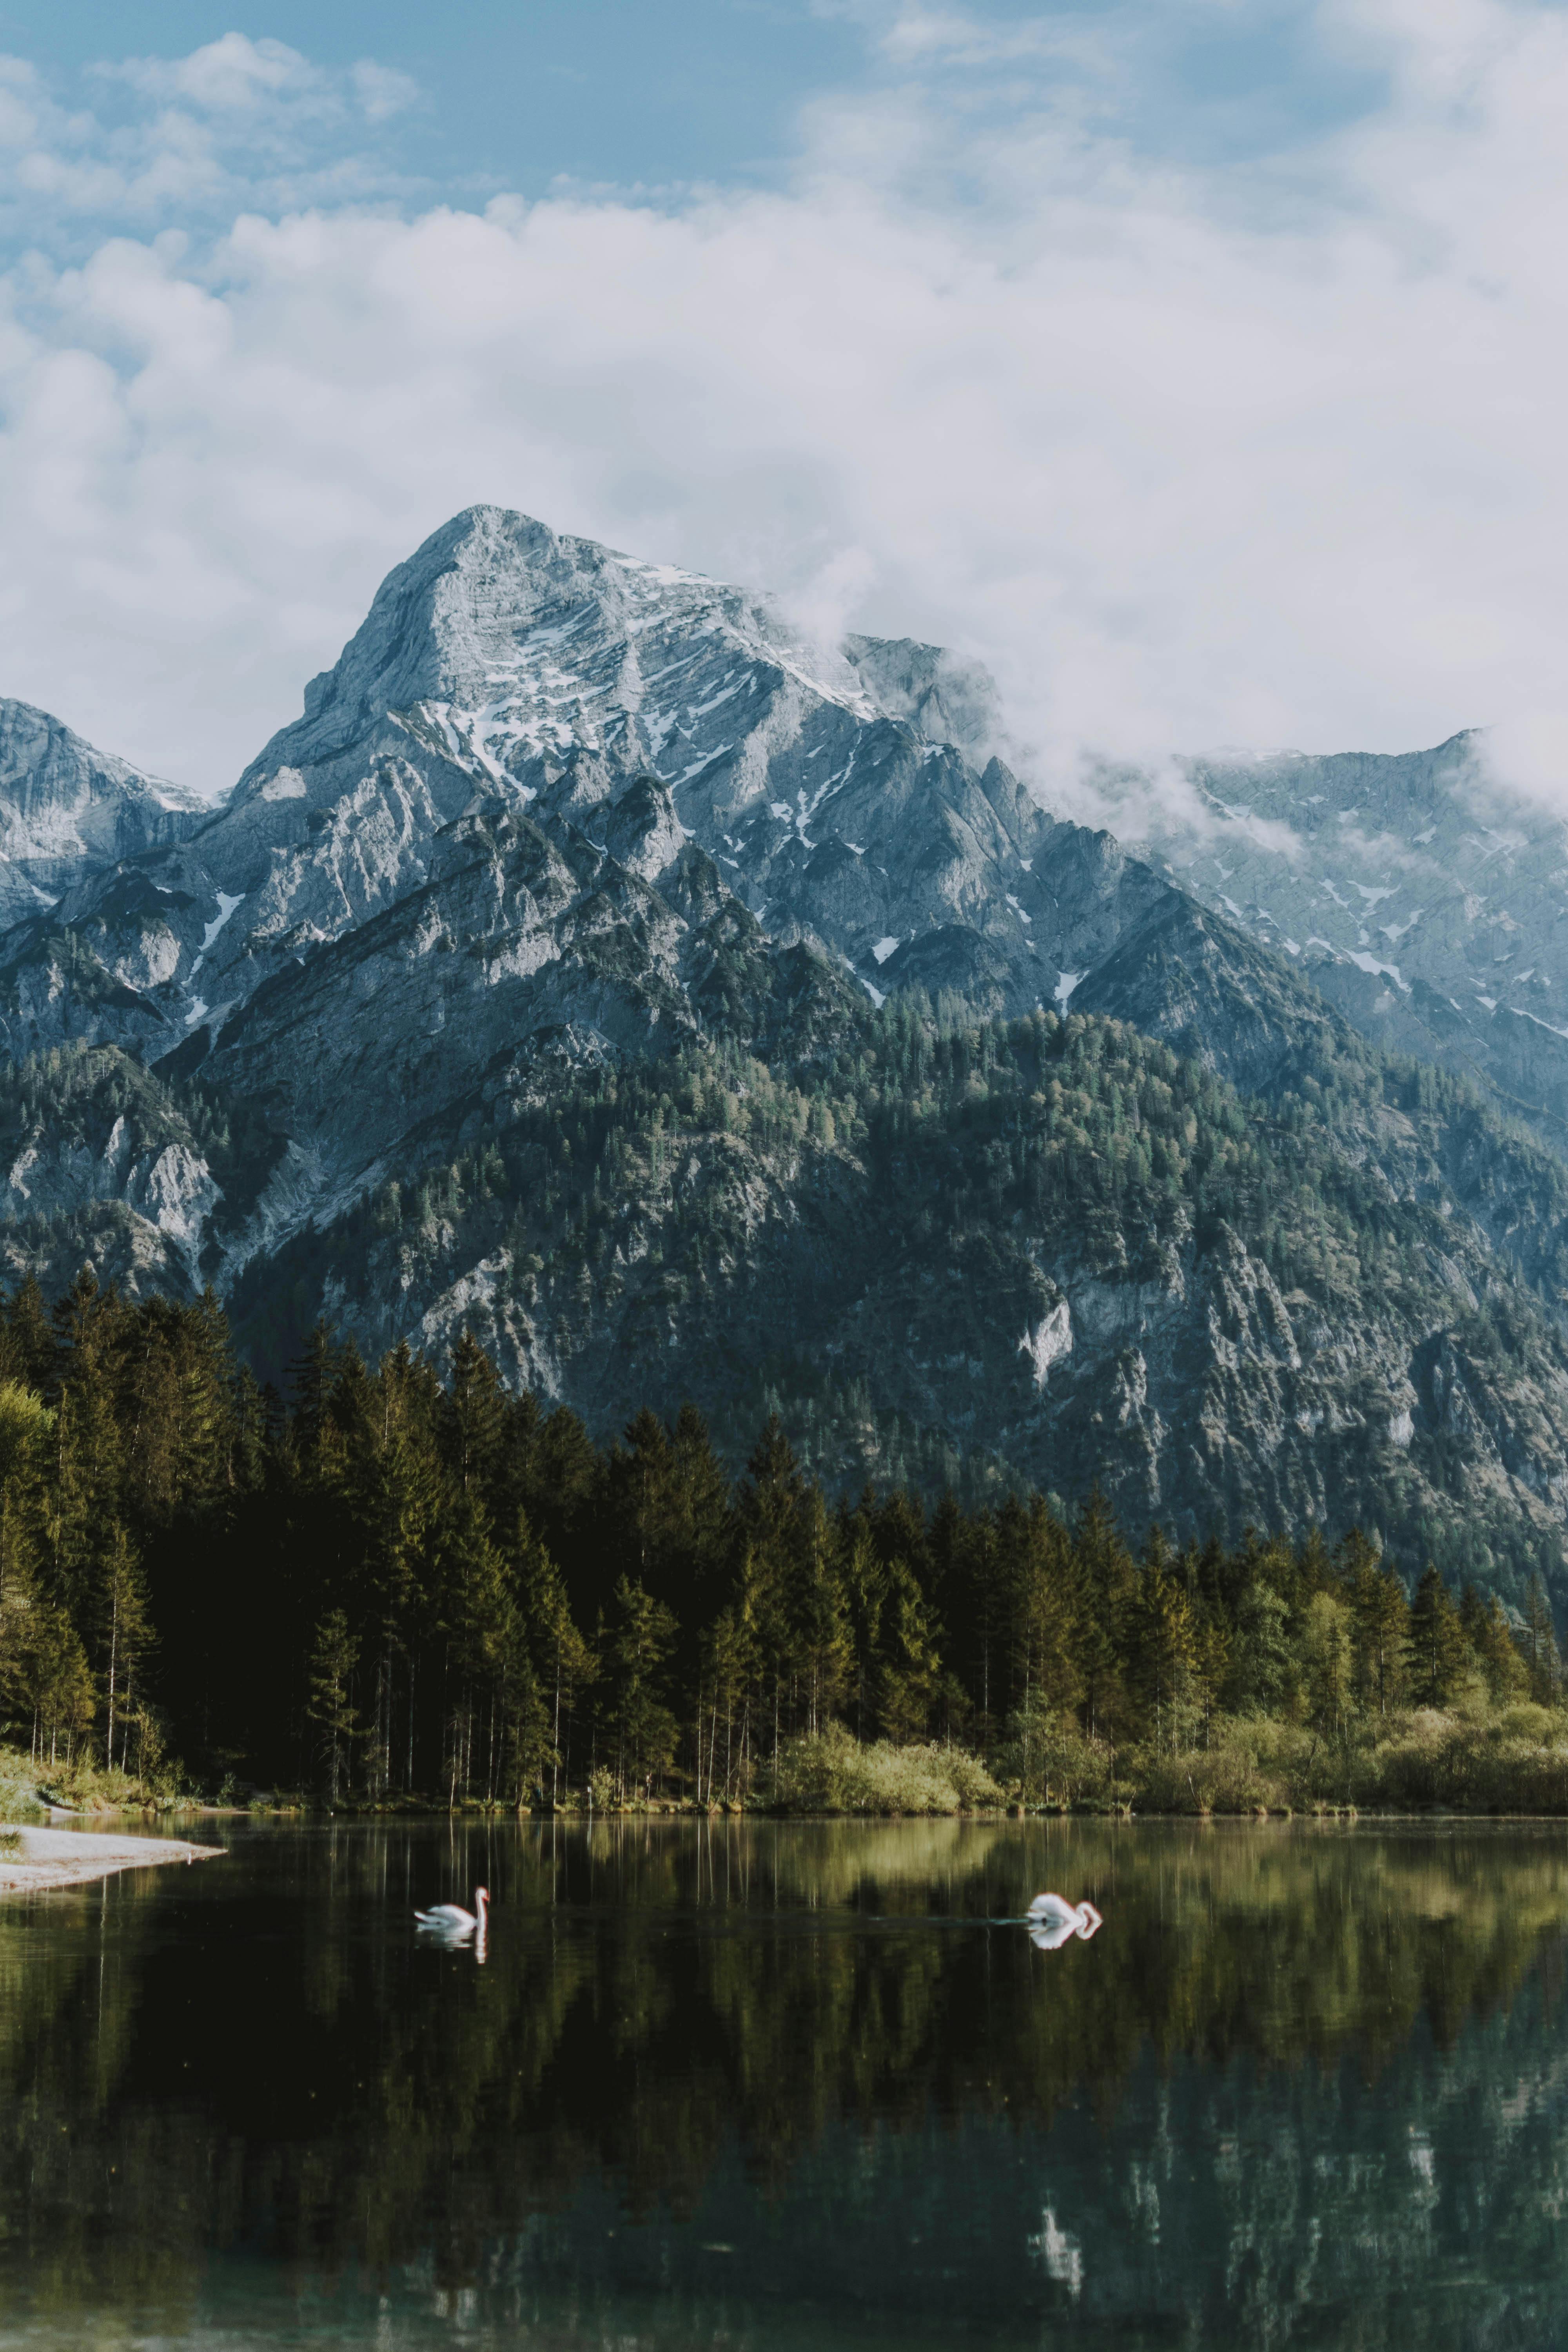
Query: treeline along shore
(394, 1586)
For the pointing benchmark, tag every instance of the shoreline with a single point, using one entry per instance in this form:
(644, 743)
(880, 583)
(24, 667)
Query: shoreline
(43, 1859)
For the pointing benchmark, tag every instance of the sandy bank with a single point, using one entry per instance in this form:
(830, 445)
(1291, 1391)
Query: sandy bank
(46, 1858)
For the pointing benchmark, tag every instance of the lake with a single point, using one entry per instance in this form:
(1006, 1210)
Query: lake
(767, 2085)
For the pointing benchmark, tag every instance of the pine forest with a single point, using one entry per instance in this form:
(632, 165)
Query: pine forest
(393, 1589)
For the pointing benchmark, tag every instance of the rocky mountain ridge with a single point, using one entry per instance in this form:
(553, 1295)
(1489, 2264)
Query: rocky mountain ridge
(67, 811)
(539, 786)
(549, 975)
(1418, 893)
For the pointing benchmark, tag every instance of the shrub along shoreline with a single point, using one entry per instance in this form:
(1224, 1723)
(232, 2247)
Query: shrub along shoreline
(1510, 1763)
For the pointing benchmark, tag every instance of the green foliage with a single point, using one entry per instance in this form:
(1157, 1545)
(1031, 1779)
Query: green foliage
(334, 1657)
(830, 1772)
(396, 1584)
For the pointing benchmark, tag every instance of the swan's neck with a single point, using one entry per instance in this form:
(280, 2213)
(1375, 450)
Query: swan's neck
(481, 1903)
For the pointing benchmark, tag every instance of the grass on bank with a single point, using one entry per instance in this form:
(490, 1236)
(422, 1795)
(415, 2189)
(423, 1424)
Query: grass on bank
(1467, 1760)
(27, 1788)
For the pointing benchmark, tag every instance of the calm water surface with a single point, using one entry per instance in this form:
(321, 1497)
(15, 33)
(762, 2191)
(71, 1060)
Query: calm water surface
(804, 2086)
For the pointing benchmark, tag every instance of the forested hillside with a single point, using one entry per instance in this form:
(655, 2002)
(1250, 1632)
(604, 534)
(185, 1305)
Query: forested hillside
(394, 1585)
(967, 1254)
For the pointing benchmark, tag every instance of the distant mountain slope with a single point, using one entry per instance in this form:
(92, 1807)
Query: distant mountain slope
(66, 810)
(1420, 894)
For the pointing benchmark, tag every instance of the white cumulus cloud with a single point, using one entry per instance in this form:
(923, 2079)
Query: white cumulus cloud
(1267, 453)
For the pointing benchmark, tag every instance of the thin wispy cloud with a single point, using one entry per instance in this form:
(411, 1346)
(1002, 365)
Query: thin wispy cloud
(188, 142)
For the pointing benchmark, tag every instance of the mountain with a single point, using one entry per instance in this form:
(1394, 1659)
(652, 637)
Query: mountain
(66, 810)
(1419, 893)
(597, 964)
(543, 791)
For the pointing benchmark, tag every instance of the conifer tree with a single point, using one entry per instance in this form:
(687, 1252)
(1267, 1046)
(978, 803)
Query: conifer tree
(819, 1613)
(57, 1686)
(637, 1729)
(475, 1419)
(472, 1614)
(1382, 1615)
(1107, 1584)
(729, 1675)
(1260, 1653)
(1437, 1645)
(560, 1660)
(1543, 1662)
(1034, 1559)
(26, 1423)
(119, 1604)
(1491, 1638)
(976, 1605)
(311, 1379)
(1331, 1663)
(1161, 1643)
(329, 1703)
(770, 1509)
(29, 1349)
(908, 1658)
(87, 1444)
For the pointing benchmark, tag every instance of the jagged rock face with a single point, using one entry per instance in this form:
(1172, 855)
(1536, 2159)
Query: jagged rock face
(520, 945)
(556, 677)
(66, 810)
(482, 832)
(100, 1166)
(1419, 895)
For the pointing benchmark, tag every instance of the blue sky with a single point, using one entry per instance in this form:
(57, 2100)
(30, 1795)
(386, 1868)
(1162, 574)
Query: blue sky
(1195, 364)
(516, 93)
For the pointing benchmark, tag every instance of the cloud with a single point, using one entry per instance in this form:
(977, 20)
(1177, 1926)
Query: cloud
(1527, 752)
(1266, 454)
(381, 90)
(191, 143)
(226, 75)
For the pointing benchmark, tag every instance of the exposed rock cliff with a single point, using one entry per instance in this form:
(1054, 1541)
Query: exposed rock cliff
(66, 810)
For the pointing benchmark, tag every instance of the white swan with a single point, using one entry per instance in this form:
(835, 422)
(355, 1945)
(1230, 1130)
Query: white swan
(1053, 1921)
(451, 1919)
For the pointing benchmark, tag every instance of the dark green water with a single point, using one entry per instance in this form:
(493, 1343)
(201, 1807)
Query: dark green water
(795, 2086)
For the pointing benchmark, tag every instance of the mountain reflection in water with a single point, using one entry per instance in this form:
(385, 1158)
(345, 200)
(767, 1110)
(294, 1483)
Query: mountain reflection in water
(779, 2086)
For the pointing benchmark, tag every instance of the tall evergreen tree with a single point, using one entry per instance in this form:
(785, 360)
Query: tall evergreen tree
(329, 1702)
(1161, 1641)
(1437, 1645)
(639, 1730)
(1107, 1584)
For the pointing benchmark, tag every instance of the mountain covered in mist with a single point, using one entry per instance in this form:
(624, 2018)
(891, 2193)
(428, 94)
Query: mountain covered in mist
(597, 965)
(1416, 892)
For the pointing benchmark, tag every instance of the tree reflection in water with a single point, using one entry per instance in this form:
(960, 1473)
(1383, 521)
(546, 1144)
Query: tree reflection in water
(794, 2083)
